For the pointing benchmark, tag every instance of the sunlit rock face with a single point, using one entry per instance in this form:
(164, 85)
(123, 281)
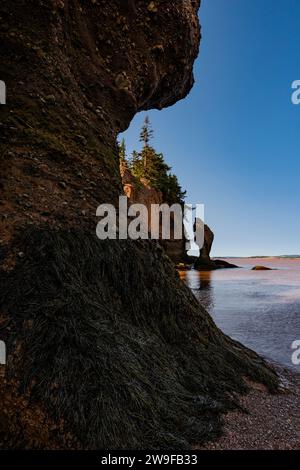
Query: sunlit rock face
(142, 193)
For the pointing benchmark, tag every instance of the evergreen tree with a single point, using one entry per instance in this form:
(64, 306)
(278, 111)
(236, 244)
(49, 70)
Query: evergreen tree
(122, 151)
(174, 192)
(150, 165)
(147, 151)
(146, 132)
(136, 165)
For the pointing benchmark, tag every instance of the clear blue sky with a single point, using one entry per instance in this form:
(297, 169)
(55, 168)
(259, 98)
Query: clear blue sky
(234, 142)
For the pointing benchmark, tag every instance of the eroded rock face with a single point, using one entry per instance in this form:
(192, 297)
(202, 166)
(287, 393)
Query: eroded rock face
(106, 347)
(208, 242)
(76, 73)
(143, 193)
(204, 262)
(140, 192)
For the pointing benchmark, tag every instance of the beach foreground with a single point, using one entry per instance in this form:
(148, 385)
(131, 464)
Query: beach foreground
(272, 422)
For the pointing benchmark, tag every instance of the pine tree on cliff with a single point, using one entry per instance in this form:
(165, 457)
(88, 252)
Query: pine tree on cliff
(123, 162)
(136, 165)
(146, 133)
(173, 190)
(122, 151)
(151, 166)
(148, 152)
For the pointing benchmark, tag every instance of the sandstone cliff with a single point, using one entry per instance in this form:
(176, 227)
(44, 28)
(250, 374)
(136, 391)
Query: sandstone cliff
(141, 192)
(106, 347)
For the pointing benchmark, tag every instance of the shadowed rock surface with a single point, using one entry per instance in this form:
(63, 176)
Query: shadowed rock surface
(106, 347)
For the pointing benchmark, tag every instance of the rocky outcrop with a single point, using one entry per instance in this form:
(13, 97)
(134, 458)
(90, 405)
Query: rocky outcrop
(261, 268)
(205, 262)
(208, 242)
(106, 347)
(140, 192)
(222, 264)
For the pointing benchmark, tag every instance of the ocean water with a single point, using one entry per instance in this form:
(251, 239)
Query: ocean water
(261, 309)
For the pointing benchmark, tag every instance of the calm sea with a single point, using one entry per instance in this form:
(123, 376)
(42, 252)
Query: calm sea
(261, 309)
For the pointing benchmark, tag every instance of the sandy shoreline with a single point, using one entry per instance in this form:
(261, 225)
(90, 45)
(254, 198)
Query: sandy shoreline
(273, 422)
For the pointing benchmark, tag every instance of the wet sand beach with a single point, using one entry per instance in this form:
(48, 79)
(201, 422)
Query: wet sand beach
(272, 422)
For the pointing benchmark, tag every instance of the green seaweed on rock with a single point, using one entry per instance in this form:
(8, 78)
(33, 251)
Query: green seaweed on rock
(117, 346)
